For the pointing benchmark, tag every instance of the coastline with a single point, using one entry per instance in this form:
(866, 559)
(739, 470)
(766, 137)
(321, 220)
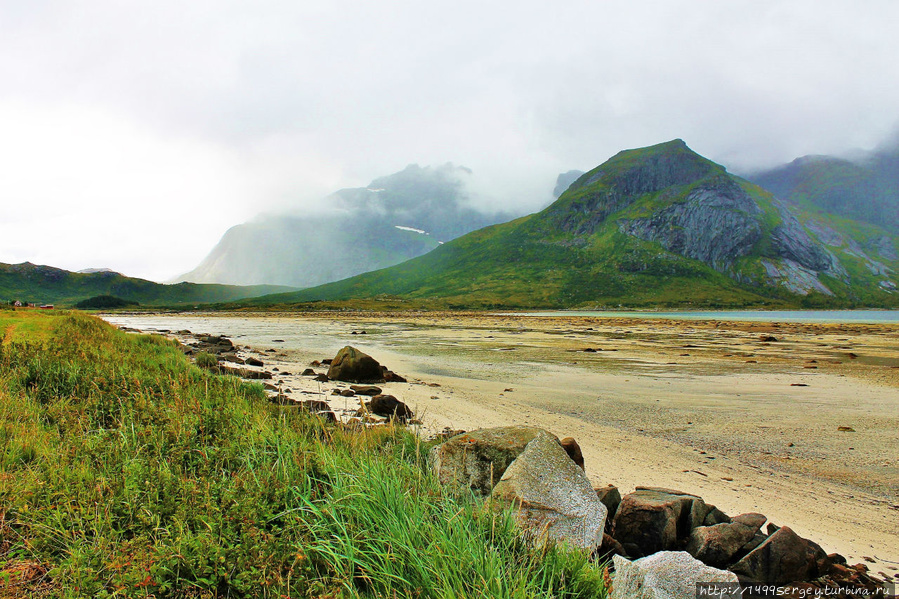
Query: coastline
(728, 420)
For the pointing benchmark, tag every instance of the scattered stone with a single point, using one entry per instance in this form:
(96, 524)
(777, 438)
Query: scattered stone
(315, 363)
(573, 450)
(346, 392)
(475, 461)
(611, 498)
(392, 377)
(251, 361)
(321, 378)
(798, 385)
(308, 372)
(846, 429)
(653, 519)
(665, 575)
(366, 389)
(717, 545)
(784, 557)
(245, 373)
(560, 507)
(390, 407)
(354, 366)
(609, 547)
(768, 338)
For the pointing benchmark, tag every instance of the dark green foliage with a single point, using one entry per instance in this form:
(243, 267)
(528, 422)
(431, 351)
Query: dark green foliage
(45, 284)
(126, 471)
(105, 302)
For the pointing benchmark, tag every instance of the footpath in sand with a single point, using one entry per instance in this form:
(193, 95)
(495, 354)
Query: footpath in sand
(799, 422)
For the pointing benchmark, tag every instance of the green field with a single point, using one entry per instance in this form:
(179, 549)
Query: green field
(126, 471)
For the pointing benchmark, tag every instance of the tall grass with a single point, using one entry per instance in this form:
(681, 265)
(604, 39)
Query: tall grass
(125, 471)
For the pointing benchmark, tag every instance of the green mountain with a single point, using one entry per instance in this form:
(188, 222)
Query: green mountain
(865, 189)
(354, 230)
(657, 226)
(30, 283)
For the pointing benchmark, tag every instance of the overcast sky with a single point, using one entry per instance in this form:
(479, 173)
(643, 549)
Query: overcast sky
(133, 134)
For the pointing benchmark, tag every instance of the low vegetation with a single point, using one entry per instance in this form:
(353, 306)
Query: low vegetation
(127, 471)
(105, 302)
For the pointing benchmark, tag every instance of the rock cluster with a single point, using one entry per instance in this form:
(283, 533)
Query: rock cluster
(675, 538)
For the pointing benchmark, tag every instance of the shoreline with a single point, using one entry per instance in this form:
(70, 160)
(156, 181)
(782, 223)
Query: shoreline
(697, 438)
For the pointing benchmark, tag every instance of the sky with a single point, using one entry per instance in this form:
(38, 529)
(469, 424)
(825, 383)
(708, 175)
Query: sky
(134, 134)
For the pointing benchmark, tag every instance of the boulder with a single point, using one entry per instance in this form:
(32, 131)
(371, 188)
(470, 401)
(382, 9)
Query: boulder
(715, 516)
(308, 372)
(573, 450)
(717, 545)
(390, 407)
(353, 366)
(366, 389)
(554, 498)
(319, 408)
(321, 378)
(783, 558)
(476, 460)
(392, 377)
(609, 547)
(610, 497)
(664, 575)
(251, 361)
(652, 519)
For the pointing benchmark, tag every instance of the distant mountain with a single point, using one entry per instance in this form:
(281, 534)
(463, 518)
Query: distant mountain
(866, 188)
(564, 181)
(357, 230)
(31, 283)
(656, 226)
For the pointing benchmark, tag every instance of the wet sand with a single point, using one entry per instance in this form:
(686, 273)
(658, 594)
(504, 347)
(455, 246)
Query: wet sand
(719, 409)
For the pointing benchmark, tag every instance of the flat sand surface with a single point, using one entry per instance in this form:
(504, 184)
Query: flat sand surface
(799, 422)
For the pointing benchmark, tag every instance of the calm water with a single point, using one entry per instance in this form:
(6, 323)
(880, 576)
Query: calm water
(837, 316)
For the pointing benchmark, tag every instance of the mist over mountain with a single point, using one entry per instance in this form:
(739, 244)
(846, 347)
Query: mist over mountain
(654, 226)
(355, 230)
(564, 181)
(863, 187)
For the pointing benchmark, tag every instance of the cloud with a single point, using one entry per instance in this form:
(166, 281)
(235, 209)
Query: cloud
(194, 116)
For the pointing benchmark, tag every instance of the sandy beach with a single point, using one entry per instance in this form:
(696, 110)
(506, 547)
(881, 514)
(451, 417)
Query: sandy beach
(797, 421)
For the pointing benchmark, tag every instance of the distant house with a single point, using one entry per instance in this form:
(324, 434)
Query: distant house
(17, 304)
(47, 307)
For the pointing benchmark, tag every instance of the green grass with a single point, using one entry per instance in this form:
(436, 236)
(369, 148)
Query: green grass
(126, 471)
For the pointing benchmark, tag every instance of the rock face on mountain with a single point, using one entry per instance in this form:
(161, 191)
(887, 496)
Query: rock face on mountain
(654, 226)
(355, 230)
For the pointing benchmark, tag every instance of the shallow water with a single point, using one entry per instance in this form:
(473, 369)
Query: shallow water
(816, 316)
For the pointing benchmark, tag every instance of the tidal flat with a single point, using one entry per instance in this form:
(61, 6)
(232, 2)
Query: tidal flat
(798, 421)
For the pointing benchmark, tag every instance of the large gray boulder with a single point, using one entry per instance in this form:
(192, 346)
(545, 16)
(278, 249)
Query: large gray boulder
(475, 461)
(784, 557)
(653, 519)
(664, 575)
(553, 497)
(353, 366)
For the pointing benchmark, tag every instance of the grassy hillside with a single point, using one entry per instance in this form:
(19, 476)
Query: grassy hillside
(126, 471)
(580, 252)
(867, 190)
(47, 285)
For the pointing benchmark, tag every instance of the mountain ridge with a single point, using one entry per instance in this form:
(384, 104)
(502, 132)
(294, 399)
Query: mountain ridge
(36, 283)
(660, 225)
